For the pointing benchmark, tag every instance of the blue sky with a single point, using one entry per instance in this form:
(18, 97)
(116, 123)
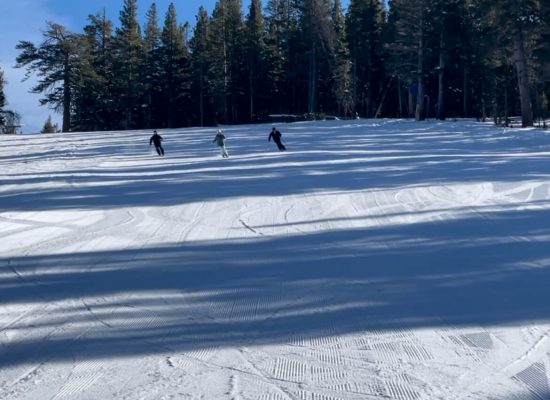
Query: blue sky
(26, 19)
(78, 11)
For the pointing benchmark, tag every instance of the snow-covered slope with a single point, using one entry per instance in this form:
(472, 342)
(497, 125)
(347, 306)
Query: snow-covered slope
(373, 259)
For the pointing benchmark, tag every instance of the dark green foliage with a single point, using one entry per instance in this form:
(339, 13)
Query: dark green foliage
(129, 58)
(517, 27)
(415, 58)
(364, 25)
(342, 66)
(228, 56)
(2, 99)
(152, 71)
(200, 67)
(94, 107)
(49, 126)
(317, 40)
(57, 63)
(256, 56)
(174, 72)
(283, 69)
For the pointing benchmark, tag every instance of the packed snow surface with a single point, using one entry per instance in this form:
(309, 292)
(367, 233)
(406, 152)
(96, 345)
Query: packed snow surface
(372, 260)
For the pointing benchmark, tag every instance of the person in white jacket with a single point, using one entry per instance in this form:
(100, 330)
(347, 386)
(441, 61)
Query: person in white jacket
(220, 141)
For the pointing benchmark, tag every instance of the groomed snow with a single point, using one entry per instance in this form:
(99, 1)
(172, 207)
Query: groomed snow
(372, 260)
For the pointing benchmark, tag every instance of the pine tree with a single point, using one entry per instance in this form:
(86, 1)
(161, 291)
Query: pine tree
(200, 62)
(55, 61)
(228, 58)
(2, 99)
(396, 66)
(129, 59)
(282, 70)
(152, 31)
(464, 65)
(408, 49)
(93, 104)
(342, 85)
(318, 36)
(490, 79)
(365, 21)
(219, 54)
(175, 69)
(152, 70)
(514, 21)
(49, 126)
(12, 121)
(444, 27)
(541, 62)
(256, 54)
(545, 61)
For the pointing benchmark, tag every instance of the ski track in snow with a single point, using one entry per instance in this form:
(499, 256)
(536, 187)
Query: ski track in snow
(391, 259)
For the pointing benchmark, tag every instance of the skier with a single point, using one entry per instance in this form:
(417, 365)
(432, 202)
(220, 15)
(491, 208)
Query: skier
(220, 141)
(157, 139)
(276, 135)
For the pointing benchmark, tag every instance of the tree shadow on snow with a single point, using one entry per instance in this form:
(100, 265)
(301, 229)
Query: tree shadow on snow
(460, 272)
(371, 157)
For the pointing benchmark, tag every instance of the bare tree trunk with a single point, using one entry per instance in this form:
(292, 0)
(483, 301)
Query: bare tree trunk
(483, 105)
(251, 80)
(496, 117)
(201, 97)
(419, 115)
(465, 105)
(411, 104)
(225, 72)
(66, 96)
(441, 80)
(523, 79)
(400, 98)
(354, 83)
(506, 119)
(312, 79)
(381, 105)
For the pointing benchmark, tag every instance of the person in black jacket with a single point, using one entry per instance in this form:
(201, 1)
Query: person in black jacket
(157, 139)
(276, 135)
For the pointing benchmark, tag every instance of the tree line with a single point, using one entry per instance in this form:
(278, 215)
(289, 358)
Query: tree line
(407, 58)
(9, 120)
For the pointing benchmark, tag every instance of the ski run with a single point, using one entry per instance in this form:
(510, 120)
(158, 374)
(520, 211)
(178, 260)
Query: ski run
(374, 259)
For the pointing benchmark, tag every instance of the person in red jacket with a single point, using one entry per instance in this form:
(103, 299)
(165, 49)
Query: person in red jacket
(276, 135)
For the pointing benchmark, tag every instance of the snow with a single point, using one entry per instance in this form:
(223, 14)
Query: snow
(373, 259)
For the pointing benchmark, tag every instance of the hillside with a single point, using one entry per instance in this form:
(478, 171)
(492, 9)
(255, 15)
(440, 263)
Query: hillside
(373, 259)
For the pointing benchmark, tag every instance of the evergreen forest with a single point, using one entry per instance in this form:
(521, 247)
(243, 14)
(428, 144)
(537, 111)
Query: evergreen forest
(306, 59)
